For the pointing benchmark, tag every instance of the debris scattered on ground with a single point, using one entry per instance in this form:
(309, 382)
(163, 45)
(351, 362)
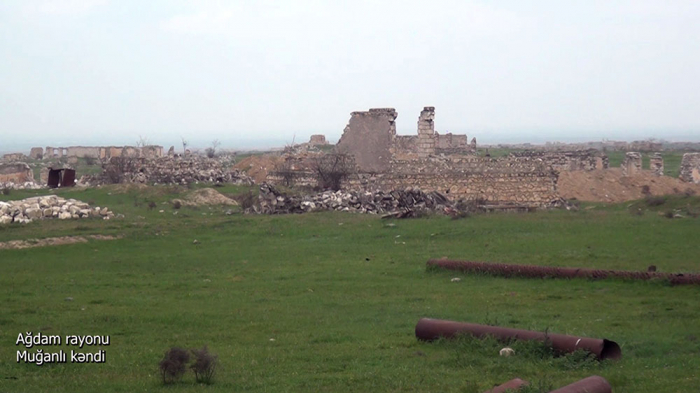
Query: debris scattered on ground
(51, 241)
(51, 206)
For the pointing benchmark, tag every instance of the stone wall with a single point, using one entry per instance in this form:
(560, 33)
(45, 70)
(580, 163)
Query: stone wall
(631, 164)
(451, 143)
(495, 181)
(690, 168)
(83, 151)
(426, 132)
(13, 157)
(36, 153)
(369, 137)
(656, 164)
(580, 160)
(318, 139)
(18, 172)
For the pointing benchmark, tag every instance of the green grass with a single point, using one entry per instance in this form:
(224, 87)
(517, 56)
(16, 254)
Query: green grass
(329, 301)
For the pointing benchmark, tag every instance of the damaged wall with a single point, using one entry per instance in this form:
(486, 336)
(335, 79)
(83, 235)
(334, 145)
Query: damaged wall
(369, 137)
(18, 172)
(690, 168)
(578, 160)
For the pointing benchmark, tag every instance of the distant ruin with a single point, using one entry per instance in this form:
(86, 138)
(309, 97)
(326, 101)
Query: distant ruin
(317, 139)
(632, 164)
(100, 152)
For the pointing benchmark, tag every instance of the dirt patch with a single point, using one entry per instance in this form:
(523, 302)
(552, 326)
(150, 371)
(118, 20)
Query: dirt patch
(52, 241)
(258, 167)
(609, 185)
(127, 187)
(205, 196)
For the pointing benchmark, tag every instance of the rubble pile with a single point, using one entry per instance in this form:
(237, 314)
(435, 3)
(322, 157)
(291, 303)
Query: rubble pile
(170, 170)
(46, 207)
(29, 185)
(408, 202)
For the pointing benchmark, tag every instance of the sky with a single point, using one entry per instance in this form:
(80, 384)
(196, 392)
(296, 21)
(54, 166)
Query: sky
(255, 74)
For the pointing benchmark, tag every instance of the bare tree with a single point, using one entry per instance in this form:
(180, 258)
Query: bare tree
(118, 169)
(184, 145)
(142, 141)
(332, 169)
(211, 151)
(285, 170)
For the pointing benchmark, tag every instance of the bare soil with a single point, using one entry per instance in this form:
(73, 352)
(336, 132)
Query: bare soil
(206, 196)
(258, 167)
(608, 185)
(51, 241)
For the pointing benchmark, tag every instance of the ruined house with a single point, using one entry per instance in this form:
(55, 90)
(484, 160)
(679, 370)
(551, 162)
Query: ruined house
(386, 161)
(17, 172)
(318, 139)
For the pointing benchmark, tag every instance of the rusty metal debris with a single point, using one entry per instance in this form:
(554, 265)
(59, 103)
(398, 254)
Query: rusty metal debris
(531, 271)
(431, 329)
(592, 384)
(512, 385)
(61, 177)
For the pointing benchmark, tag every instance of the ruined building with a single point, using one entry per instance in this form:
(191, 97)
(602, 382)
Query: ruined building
(432, 162)
(371, 137)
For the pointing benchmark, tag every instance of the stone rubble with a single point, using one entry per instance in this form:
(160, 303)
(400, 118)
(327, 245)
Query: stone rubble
(21, 186)
(46, 207)
(398, 203)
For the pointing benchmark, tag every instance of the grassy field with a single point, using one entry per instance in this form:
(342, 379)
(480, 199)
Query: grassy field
(329, 301)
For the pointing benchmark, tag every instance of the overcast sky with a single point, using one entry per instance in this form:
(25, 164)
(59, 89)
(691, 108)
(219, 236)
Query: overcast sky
(260, 73)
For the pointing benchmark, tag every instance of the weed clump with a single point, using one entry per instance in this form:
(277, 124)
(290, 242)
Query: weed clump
(652, 201)
(5, 191)
(177, 204)
(204, 365)
(174, 364)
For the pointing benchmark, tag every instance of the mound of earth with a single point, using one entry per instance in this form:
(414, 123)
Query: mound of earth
(52, 241)
(205, 196)
(257, 167)
(609, 185)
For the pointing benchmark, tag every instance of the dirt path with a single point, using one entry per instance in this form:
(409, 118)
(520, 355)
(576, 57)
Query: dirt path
(52, 241)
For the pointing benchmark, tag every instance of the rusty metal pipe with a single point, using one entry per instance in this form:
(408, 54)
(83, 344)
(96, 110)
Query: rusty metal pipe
(431, 329)
(592, 384)
(530, 271)
(512, 385)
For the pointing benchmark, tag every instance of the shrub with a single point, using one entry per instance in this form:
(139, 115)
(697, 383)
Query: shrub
(5, 191)
(247, 200)
(668, 214)
(332, 169)
(151, 205)
(655, 201)
(177, 204)
(646, 190)
(173, 365)
(204, 365)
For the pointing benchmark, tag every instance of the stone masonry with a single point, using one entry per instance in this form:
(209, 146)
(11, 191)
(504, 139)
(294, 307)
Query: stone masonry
(632, 163)
(18, 172)
(690, 168)
(426, 132)
(369, 137)
(656, 164)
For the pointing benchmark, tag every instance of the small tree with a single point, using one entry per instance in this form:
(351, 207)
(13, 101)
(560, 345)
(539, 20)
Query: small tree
(285, 170)
(141, 142)
(174, 364)
(204, 365)
(184, 145)
(332, 169)
(116, 169)
(211, 151)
